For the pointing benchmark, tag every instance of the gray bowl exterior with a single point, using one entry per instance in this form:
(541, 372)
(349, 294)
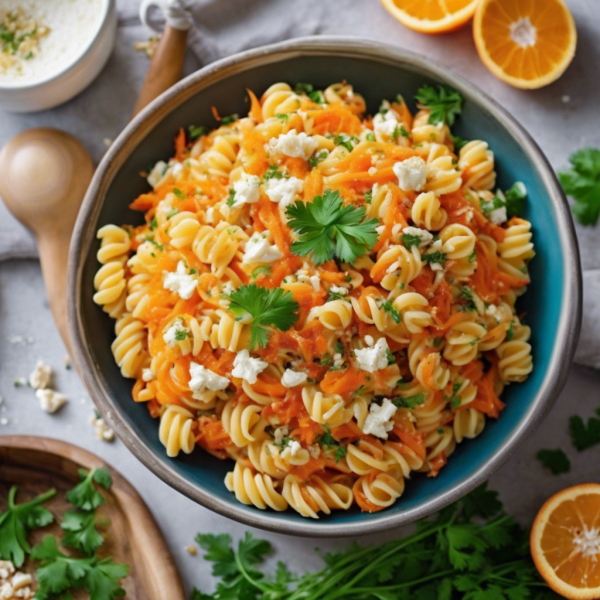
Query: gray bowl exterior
(378, 71)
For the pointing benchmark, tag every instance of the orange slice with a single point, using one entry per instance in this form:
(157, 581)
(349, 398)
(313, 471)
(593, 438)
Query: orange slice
(565, 542)
(526, 43)
(431, 16)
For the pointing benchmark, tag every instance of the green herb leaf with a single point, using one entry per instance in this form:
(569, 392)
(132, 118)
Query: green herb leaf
(273, 172)
(231, 198)
(179, 193)
(410, 240)
(443, 102)
(275, 307)
(85, 495)
(197, 131)
(264, 270)
(348, 141)
(459, 142)
(434, 257)
(582, 183)
(328, 229)
(303, 88)
(584, 436)
(516, 198)
(230, 119)
(555, 460)
(410, 402)
(317, 158)
(80, 532)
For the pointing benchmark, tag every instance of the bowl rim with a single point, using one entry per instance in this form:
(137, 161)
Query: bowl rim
(109, 9)
(569, 320)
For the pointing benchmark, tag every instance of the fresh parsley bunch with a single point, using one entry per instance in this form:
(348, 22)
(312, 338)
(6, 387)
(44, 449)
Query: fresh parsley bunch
(469, 551)
(328, 229)
(582, 182)
(443, 102)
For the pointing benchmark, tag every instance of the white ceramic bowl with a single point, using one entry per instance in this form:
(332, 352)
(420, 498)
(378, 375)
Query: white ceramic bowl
(61, 86)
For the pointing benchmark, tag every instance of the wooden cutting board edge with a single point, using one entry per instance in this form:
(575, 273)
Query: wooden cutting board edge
(155, 567)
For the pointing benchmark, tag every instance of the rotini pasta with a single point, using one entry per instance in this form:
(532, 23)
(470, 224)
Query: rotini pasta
(330, 362)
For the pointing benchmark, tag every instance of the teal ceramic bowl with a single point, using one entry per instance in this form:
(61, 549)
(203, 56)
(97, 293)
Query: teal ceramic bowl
(552, 304)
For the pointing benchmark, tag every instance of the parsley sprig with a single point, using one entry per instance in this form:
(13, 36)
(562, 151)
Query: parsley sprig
(582, 183)
(448, 557)
(555, 460)
(328, 229)
(274, 307)
(444, 103)
(584, 435)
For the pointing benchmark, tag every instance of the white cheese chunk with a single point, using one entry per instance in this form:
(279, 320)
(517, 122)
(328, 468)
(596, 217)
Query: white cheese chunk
(41, 376)
(293, 378)
(102, 430)
(498, 215)
(293, 144)
(259, 250)
(175, 333)
(247, 190)
(247, 368)
(180, 281)
(303, 276)
(157, 173)
(373, 358)
(291, 449)
(50, 400)
(426, 236)
(379, 420)
(283, 191)
(202, 379)
(280, 433)
(411, 174)
(336, 289)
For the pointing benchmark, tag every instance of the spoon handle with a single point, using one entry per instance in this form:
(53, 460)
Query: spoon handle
(166, 66)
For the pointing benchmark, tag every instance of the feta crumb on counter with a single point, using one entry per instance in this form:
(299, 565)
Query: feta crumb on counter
(378, 421)
(247, 190)
(103, 431)
(50, 400)
(293, 378)
(293, 144)
(259, 250)
(202, 379)
(373, 358)
(411, 174)
(41, 376)
(180, 281)
(248, 368)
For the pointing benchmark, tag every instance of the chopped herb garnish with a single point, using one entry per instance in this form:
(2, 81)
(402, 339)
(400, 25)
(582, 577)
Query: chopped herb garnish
(369, 196)
(370, 137)
(443, 102)
(264, 270)
(174, 212)
(179, 193)
(197, 131)
(326, 360)
(282, 117)
(181, 334)
(516, 198)
(273, 172)
(582, 183)
(584, 436)
(334, 296)
(348, 141)
(510, 334)
(495, 203)
(410, 240)
(230, 119)
(472, 257)
(303, 88)
(434, 257)
(459, 142)
(317, 158)
(231, 198)
(339, 347)
(317, 97)
(389, 308)
(390, 357)
(403, 131)
(410, 402)
(153, 224)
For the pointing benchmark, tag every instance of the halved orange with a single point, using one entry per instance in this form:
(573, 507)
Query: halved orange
(431, 16)
(565, 542)
(526, 43)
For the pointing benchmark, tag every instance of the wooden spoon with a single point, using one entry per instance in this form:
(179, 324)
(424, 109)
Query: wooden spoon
(44, 174)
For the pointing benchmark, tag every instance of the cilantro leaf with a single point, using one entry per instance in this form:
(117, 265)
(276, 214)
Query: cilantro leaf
(465, 547)
(410, 402)
(555, 460)
(17, 520)
(80, 532)
(584, 436)
(459, 142)
(481, 502)
(329, 229)
(303, 88)
(179, 193)
(516, 198)
(197, 131)
(389, 307)
(230, 119)
(582, 183)
(85, 495)
(434, 257)
(275, 307)
(273, 172)
(443, 102)
(410, 240)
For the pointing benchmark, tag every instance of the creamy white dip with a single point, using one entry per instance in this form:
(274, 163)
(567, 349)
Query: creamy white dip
(72, 25)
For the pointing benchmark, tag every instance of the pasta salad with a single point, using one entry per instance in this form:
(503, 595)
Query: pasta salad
(324, 297)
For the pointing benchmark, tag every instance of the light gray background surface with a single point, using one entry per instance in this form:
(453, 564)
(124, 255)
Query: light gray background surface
(26, 328)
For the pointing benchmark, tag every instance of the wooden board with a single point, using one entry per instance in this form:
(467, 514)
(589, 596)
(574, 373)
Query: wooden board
(37, 464)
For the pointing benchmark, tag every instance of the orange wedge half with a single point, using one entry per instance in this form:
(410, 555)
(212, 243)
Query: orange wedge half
(565, 542)
(526, 43)
(431, 16)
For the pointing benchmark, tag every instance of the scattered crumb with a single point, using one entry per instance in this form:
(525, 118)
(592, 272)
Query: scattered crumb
(103, 431)
(29, 340)
(3, 421)
(192, 550)
(41, 376)
(566, 99)
(50, 400)
(83, 400)
(107, 142)
(20, 382)
(14, 585)
(67, 362)
(16, 339)
(147, 46)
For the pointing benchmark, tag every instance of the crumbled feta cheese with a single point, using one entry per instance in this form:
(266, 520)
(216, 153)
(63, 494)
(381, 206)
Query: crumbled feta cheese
(283, 191)
(378, 421)
(372, 171)
(247, 368)
(228, 288)
(303, 277)
(50, 400)
(426, 236)
(3, 421)
(202, 379)
(157, 173)
(338, 360)
(247, 190)
(41, 376)
(6, 569)
(369, 340)
(411, 174)
(292, 448)
(293, 378)
(314, 450)
(498, 215)
(103, 431)
(280, 433)
(173, 334)
(293, 144)
(337, 289)
(180, 281)
(373, 358)
(147, 375)
(259, 250)
(14, 584)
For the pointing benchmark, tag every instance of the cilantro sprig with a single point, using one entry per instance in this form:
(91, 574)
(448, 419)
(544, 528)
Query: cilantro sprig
(582, 183)
(555, 460)
(328, 229)
(85, 495)
(275, 307)
(17, 520)
(444, 103)
(584, 435)
(448, 557)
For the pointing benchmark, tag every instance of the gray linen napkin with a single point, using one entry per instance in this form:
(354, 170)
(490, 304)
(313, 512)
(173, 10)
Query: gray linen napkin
(557, 116)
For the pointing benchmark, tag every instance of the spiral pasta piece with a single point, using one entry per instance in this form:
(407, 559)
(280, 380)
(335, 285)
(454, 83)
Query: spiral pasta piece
(252, 488)
(427, 212)
(316, 495)
(175, 431)
(477, 164)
